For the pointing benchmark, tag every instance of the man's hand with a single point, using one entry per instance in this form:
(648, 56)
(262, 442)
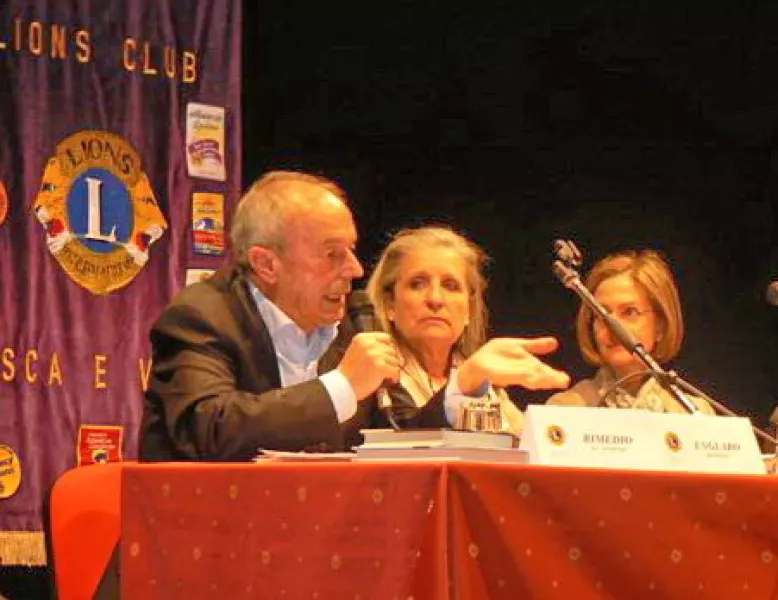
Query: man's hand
(511, 361)
(370, 361)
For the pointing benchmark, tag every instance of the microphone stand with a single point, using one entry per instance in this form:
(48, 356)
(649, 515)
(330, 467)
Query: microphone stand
(564, 269)
(726, 411)
(572, 280)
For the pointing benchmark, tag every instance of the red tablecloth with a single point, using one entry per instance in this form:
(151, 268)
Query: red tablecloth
(444, 530)
(282, 530)
(535, 532)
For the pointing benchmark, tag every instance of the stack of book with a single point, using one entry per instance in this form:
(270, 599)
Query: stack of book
(450, 444)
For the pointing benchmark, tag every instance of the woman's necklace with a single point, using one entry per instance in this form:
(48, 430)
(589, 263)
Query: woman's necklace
(425, 385)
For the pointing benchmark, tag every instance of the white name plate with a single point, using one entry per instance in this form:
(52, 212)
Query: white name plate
(639, 439)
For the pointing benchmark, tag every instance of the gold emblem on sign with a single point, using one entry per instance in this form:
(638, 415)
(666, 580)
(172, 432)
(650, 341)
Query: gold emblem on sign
(98, 210)
(673, 441)
(10, 472)
(4, 204)
(556, 435)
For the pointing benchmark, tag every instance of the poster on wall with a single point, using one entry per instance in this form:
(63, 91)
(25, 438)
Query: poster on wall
(96, 220)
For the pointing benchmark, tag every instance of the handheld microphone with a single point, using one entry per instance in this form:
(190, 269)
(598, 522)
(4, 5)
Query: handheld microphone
(362, 314)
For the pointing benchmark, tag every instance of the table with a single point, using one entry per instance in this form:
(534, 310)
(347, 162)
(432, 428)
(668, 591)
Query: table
(283, 530)
(418, 530)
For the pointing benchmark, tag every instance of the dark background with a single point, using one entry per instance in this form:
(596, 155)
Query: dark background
(617, 124)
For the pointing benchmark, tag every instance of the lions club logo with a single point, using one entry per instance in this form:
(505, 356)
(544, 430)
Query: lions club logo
(673, 441)
(556, 435)
(10, 472)
(98, 210)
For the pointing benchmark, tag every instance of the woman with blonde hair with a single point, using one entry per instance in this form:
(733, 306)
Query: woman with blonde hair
(637, 288)
(428, 292)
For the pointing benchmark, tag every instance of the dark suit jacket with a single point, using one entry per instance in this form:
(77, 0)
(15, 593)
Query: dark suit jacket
(215, 388)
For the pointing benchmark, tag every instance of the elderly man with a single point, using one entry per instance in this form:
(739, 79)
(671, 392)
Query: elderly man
(245, 360)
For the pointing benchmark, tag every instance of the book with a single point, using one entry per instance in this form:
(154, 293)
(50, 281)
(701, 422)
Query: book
(437, 438)
(488, 455)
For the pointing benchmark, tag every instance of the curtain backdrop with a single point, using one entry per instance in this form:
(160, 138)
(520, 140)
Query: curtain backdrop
(119, 164)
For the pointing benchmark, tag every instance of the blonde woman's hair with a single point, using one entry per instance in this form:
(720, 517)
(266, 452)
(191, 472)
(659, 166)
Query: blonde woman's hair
(381, 286)
(652, 274)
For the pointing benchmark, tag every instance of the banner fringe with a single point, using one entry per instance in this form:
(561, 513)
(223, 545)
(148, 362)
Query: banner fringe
(24, 548)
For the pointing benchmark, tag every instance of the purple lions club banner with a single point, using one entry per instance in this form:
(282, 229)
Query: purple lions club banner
(119, 140)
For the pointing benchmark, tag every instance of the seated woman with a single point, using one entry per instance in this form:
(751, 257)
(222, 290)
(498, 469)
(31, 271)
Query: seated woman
(637, 288)
(428, 292)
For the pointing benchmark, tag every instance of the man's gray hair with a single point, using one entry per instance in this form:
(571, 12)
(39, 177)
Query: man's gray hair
(264, 209)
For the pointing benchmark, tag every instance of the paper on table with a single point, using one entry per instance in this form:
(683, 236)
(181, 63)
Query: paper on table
(302, 456)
